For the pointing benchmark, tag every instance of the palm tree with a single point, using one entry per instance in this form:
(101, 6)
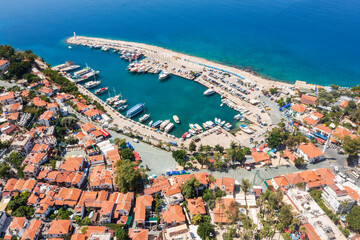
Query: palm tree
(345, 204)
(281, 154)
(197, 185)
(245, 186)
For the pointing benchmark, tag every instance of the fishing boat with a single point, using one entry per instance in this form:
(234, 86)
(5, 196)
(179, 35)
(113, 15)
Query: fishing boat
(156, 124)
(176, 119)
(135, 110)
(245, 128)
(164, 75)
(237, 117)
(144, 118)
(101, 90)
(122, 108)
(92, 84)
(150, 123)
(169, 127)
(164, 124)
(209, 92)
(184, 135)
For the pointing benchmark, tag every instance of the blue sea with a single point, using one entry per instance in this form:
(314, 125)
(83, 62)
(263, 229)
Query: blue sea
(287, 40)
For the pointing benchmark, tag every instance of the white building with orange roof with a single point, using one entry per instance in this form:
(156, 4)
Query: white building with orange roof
(59, 229)
(142, 210)
(73, 164)
(31, 171)
(173, 195)
(226, 184)
(92, 114)
(4, 64)
(334, 195)
(139, 234)
(33, 231)
(54, 107)
(298, 109)
(36, 159)
(107, 211)
(17, 226)
(40, 148)
(173, 215)
(7, 98)
(38, 102)
(100, 178)
(219, 211)
(196, 206)
(46, 117)
(88, 127)
(310, 153)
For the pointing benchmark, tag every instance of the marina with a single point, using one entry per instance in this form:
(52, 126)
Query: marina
(149, 66)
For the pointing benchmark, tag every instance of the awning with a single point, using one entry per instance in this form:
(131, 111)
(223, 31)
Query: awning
(105, 133)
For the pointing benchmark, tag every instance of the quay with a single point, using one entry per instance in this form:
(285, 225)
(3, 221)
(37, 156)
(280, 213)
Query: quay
(219, 78)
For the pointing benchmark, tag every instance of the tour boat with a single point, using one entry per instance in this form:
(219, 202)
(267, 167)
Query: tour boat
(164, 124)
(122, 108)
(135, 110)
(169, 127)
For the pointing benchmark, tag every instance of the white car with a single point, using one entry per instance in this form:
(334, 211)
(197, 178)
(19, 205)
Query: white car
(336, 168)
(136, 140)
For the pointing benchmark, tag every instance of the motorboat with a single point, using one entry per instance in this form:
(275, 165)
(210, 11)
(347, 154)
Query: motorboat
(144, 118)
(209, 92)
(176, 119)
(122, 108)
(164, 75)
(245, 129)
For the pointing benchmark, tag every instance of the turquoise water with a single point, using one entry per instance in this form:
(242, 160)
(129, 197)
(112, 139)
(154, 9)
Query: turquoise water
(288, 40)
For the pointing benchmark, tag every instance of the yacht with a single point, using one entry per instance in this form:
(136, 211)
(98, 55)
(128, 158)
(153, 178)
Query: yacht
(86, 76)
(209, 92)
(81, 72)
(119, 102)
(144, 118)
(70, 68)
(92, 84)
(176, 119)
(164, 75)
(101, 90)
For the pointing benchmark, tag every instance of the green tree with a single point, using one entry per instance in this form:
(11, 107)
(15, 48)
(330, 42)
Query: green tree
(352, 148)
(353, 219)
(299, 161)
(179, 154)
(120, 142)
(121, 234)
(126, 153)
(285, 215)
(128, 178)
(206, 231)
(192, 146)
(188, 189)
(68, 122)
(85, 221)
(276, 137)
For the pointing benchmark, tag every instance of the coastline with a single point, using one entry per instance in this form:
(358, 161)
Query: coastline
(265, 83)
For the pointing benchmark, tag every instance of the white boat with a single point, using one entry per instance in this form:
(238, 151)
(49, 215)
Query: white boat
(101, 90)
(82, 72)
(157, 71)
(70, 68)
(119, 103)
(209, 92)
(176, 119)
(164, 124)
(245, 128)
(144, 118)
(222, 123)
(69, 47)
(216, 121)
(169, 127)
(111, 100)
(150, 123)
(92, 84)
(164, 75)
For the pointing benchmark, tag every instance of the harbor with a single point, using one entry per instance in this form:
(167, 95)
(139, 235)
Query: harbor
(237, 93)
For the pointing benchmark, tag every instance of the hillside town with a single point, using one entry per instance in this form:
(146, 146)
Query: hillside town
(69, 172)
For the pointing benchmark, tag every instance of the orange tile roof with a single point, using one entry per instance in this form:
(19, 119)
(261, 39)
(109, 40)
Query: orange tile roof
(173, 214)
(52, 105)
(32, 230)
(72, 164)
(317, 114)
(196, 206)
(47, 115)
(140, 208)
(219, 212)
(93, 229)
(96, 158)
(40, 148)
(281, 181)
(3, 62)
(92, 112)
(260, 156)
(341, 132)
(175, 189)
(7, 96)
(294, 178)
(307, 99)
(352, 193)
(344, 103)
(138, 234)
(323, 128)
(298, 108)
(17, 223)
(13, 116)
(113, 155)
(9, 186)
(19, 185)
(59, 227)
(310, 232)
(310, 150)
(78, 236)
(310, 121)
(88, 126)
(35, 158)
(38, 102)
(29, 185)
(106, 208)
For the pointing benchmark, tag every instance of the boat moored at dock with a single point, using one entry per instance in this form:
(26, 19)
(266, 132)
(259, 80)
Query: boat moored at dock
(135, 110)
(169, 127)
(101, 90)
(156, 124)
(92, 84)
(245, 129)
(164, 124)
(176, 119)
(144, 118)
(164, 75)
(209, 92)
